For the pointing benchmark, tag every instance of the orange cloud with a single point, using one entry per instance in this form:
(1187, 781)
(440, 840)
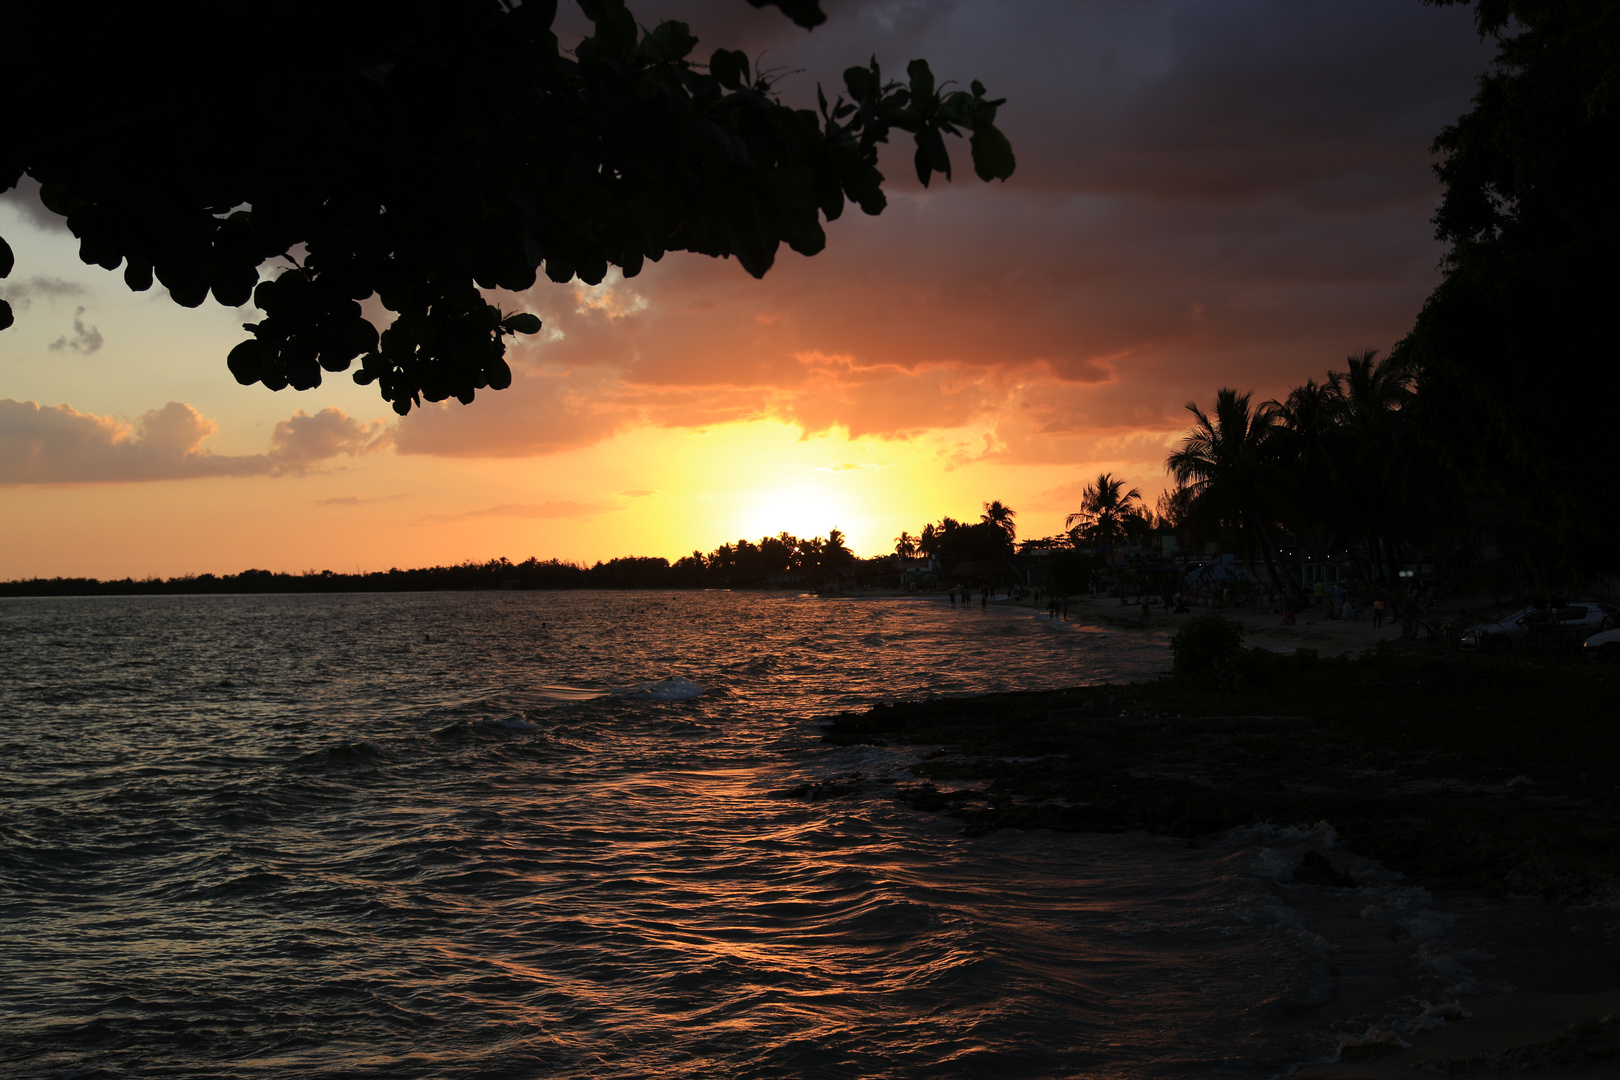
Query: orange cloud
(60, 445)
(305, 439)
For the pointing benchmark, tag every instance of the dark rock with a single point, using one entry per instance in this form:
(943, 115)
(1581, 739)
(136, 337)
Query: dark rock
(1314, 869)
(828, 789)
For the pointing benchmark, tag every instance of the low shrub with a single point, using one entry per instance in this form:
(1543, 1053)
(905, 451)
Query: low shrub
(1203, 642)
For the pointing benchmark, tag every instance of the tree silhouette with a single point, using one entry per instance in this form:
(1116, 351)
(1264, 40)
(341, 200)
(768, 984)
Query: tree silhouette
(905, 545)
(1108, 513)
(1309, 437)
(835, 553)
(423, 150)
(1514, 351)
(1383, 473)
(928, 539)
(1001, 516)
(1228, 466)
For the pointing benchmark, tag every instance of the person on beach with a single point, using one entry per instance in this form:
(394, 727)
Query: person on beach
(1147, 609)
(1378, 612)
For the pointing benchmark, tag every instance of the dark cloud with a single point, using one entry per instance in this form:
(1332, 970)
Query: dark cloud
(1209, 192)
(85, 339)
(60, 445)
(21, 294)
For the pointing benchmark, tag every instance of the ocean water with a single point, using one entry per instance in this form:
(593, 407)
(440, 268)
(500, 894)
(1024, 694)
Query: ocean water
(541, 835)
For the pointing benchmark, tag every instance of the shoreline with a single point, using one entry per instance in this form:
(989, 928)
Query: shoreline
(1494, 784)
(1312, 629)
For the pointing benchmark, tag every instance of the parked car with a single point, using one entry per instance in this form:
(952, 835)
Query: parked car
(1543, 625)
(1605, 646)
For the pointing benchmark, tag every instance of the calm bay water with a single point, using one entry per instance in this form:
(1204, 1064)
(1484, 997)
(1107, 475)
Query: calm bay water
(534, 835)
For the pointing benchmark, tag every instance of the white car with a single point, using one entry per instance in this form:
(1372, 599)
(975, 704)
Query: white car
(1542, 625)
(1604, 646)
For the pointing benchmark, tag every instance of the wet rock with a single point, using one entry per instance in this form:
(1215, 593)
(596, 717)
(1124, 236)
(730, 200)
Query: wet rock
(1314, 869)
(1585, 1044)
(816, 792)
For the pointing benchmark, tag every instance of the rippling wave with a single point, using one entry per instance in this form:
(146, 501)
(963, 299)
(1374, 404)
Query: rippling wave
(537, 835)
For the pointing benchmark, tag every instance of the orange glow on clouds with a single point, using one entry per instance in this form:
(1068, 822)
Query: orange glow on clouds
(1208, 197)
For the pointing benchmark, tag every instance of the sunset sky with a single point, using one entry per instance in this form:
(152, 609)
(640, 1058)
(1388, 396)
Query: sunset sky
(1208, 193)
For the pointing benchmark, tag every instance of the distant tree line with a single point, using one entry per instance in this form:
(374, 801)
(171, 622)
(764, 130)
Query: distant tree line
(783, 559)
(780, 559)
(953, 542)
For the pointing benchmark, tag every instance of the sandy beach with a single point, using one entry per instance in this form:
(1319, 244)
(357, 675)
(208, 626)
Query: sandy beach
(1312, 629)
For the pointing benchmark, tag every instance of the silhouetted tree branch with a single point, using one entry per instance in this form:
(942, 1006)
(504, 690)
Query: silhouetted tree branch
(423, 150)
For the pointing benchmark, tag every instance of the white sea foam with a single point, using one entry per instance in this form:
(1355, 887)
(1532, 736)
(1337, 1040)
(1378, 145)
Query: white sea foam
(515, 722)
(673, 688)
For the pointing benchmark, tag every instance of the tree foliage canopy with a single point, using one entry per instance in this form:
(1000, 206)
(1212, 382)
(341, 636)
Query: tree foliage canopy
(422, 150)
(1108, 513)
(1515, 351)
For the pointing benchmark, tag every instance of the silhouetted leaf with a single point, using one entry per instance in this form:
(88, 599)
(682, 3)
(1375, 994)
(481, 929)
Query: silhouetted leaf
(7, 259)
(187, 282)
(498, 374)
(522, 323)
(138, 275)
(860, 82)
(806, 13)
(245, 361)
(931, 154)
(233, 288)
(992, 153)
(729, 67)
(922, 81)
(6, 317)
(669, 41)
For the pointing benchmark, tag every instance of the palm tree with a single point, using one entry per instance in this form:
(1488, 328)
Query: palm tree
(1386, 476)
(905, 545)
(928, 542)
(1310, 440)
(1371, 390)
(1001, 516)
(1108, 513)
(835, 554)
(1227, 465)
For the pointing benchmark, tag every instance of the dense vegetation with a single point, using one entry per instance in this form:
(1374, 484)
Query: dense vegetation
(1515, 354)
(1336, 466)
